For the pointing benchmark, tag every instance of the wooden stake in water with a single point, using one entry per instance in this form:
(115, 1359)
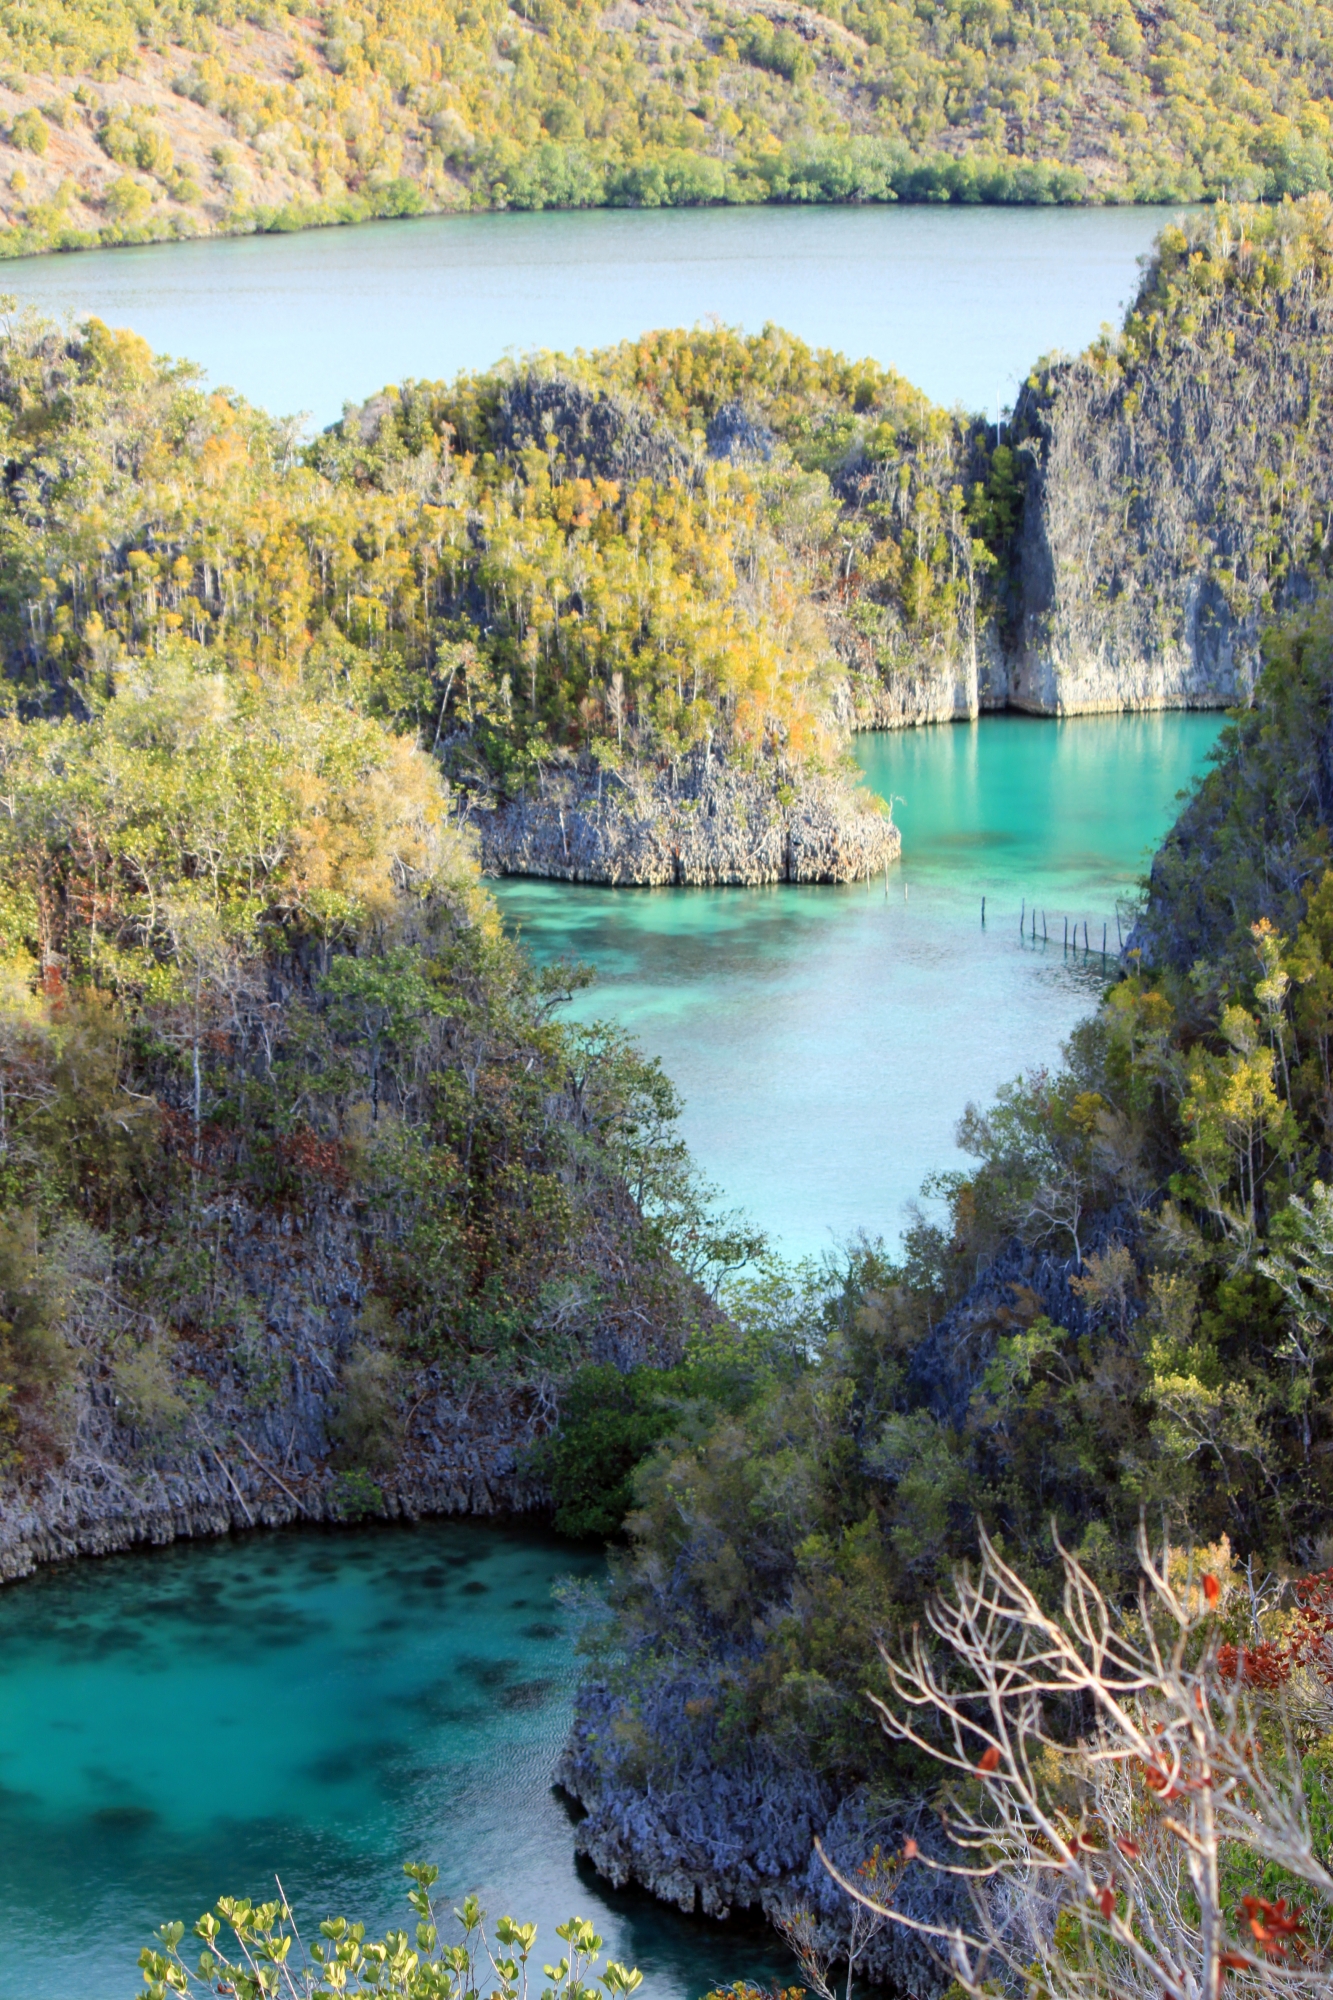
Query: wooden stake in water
(1066, 933)
(1103, 944)
(983, 913)
(1043, 926)
(1085, 934)
(1023, 917)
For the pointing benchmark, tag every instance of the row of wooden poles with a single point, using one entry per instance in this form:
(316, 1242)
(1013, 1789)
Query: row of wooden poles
(1027, 928)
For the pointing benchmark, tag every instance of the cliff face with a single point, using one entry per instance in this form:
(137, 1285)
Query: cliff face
(955, 683)
(715, 824)
(1179, 480)
(1158, 502)
(254, 1430)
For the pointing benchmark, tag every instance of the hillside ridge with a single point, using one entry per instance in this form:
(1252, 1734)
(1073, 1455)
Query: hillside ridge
(181, 118)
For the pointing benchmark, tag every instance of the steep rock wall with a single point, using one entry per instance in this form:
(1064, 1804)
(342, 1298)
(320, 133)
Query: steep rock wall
(716, 824)
(952, 683)
(1178, 499)
(252, 1441)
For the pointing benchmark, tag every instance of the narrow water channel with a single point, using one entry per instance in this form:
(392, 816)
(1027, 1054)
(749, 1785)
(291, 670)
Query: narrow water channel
(825, 1041)
(181, 1723)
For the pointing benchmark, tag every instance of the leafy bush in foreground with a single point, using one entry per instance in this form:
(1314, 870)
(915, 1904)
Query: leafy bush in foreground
(273, 1960)
(1128, 1809)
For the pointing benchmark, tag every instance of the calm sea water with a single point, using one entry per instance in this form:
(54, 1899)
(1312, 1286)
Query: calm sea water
(961, 300)
(825, 1040)
(180, 1724)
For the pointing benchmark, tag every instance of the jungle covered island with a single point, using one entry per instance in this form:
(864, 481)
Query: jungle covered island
(633, 603)
(1126, 1312)
(1177, 492)
(128, 123)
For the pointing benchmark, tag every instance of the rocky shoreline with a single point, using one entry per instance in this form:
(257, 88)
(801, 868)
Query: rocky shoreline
(708, 824)
(464, 1458)
(741, 1836)
(713, 1821)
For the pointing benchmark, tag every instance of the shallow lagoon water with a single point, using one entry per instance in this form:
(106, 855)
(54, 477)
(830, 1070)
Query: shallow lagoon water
(177, 1724)
(181, 1723)
(961, 301)
(825, 1041)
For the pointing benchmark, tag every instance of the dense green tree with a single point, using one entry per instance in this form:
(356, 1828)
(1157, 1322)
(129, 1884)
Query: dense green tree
(302, 116)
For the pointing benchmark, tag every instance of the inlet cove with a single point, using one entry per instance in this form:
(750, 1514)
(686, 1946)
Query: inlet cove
(666, 1255)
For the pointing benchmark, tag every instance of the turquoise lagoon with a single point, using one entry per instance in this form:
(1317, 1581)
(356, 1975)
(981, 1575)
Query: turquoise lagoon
(825, 1041)
(181, 1723)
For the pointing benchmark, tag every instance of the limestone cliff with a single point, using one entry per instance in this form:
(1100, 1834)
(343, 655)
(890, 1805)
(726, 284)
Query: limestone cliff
(954, 682)
(1180, 478)
(239, 1432)
(714, 824)
(1157, 502)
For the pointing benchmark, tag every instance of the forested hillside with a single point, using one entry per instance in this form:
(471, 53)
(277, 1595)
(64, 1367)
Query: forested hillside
(545, 572)
(127, 123)
(303, 1189)
(1128, 1309)
(288, 1139)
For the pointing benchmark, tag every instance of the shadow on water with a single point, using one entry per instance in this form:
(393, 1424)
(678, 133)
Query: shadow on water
(177, 1724)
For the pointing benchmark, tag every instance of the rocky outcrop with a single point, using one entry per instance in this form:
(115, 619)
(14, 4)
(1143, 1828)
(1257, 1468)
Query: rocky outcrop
(1178, 498)
(707, 824)
(598, 435)
(739, 1832)
(713, 1818)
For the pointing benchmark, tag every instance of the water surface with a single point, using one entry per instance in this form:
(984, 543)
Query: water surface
(826, 1040)
(182, 1723)
(961, 300)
